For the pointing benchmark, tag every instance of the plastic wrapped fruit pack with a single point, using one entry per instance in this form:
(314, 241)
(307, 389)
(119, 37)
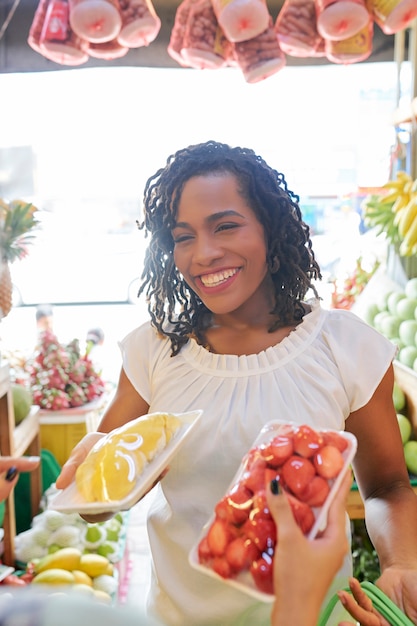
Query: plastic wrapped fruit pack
(238, 543)
(123, 465)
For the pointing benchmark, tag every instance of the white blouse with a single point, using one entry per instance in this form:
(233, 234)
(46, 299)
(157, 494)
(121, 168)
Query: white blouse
(329, 366)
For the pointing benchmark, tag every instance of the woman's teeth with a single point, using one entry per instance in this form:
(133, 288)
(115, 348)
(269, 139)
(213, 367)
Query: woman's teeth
(212, 280)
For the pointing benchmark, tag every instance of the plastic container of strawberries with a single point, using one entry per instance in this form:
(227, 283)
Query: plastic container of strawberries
(237, 544)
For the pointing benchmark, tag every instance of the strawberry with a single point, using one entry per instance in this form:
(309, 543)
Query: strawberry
(261, 531)
(241, 552)
(235, 506)
(328, 462)
(262, 573)
(221, 566)
(278, 450)
(203, 551)
(306, 441)
(316, 492)
(303, 514)
(260, 506)
(254, 476)
(218, 537)
(297, 472)
(331, 437)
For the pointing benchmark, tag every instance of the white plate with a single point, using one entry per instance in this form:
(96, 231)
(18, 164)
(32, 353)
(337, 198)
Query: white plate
(70, 500)
(243, 581)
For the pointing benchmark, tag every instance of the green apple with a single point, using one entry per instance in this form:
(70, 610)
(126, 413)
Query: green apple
(410, 454)
(405, 427)
(393, 300)
(411, 288)
(407, 356)
(406, 308)
(398, 398)
(407, 332)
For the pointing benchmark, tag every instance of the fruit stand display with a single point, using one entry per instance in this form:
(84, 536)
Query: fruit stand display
(389, 302)
(66, 387)
(64, 550)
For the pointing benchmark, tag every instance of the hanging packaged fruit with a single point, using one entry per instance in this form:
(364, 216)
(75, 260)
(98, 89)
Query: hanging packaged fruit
(340, 19)
(140, 23)
(52, 36)
(393, 16)
(95, 20)
(296, 28)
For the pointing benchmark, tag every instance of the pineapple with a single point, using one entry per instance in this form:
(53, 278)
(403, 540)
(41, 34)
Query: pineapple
(17, 220)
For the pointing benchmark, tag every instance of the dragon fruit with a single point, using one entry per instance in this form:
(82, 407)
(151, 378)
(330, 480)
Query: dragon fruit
(60, 376)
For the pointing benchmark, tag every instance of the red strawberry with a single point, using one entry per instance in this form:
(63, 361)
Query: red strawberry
(297, 472)
(306, 441)
(218, 537)
(278, 450)
(221, 566)
(254, 476)
(241, 552)
(331, 437)
(260, 506)
(203, 550)
(328, 462)
(303, 514)
(262, 573)
(235, 506)
(316, 492)
(262, 532)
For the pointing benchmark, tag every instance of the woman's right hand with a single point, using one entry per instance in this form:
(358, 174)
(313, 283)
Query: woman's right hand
(77, 456)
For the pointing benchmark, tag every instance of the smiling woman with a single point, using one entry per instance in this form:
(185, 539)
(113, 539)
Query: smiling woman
(124, 130)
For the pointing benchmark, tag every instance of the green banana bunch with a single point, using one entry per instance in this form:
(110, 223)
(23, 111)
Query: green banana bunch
(395, 213)
(399, 191)
(379, 215)
(407, 216)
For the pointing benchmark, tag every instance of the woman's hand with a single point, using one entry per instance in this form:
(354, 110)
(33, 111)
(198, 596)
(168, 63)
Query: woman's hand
(304, 568)
(10, 467)
(400, 585)
(78, 454)
(360, 606)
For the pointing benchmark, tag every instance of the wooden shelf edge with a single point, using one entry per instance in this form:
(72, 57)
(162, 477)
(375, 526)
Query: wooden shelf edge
(23, 433)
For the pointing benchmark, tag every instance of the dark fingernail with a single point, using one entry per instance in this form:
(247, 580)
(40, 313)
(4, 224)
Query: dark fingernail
(275, 486)
(11, 474)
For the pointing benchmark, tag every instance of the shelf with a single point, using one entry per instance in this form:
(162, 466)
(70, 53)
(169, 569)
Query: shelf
(17, 441)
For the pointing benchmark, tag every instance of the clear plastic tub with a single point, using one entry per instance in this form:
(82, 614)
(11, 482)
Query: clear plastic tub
(311, 465)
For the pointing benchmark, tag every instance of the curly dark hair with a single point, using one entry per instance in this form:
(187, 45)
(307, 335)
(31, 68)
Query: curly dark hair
(175, 310)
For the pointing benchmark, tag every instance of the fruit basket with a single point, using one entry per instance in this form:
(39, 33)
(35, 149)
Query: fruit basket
(237, 544)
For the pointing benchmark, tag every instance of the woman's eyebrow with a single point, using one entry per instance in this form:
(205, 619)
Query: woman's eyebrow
(212, 218)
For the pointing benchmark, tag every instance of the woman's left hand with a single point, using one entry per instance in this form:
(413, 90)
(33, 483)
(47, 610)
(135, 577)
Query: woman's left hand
(401, 586)
(360, 607)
